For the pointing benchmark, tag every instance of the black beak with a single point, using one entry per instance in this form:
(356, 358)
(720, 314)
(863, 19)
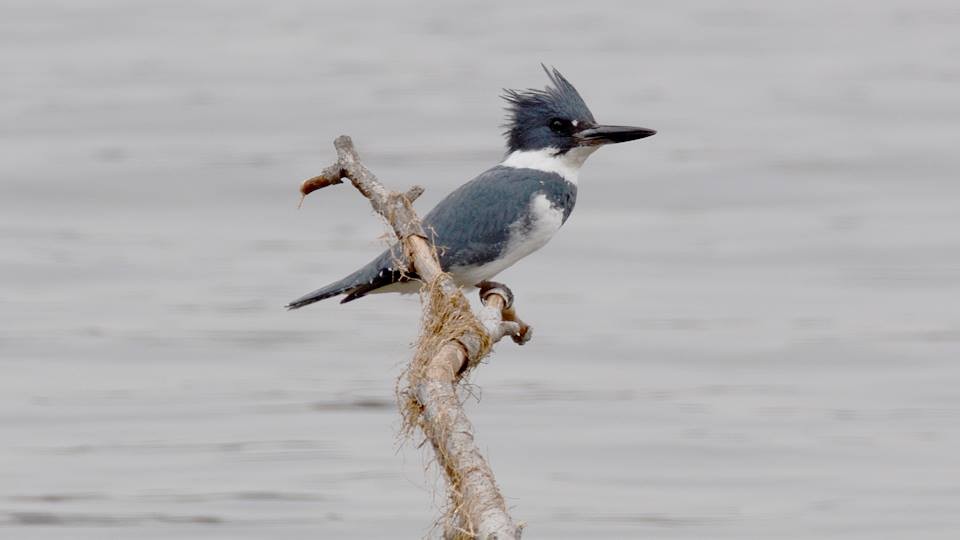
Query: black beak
(598, 135)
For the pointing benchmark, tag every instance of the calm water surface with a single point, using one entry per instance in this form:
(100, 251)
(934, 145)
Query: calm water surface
(749, 328)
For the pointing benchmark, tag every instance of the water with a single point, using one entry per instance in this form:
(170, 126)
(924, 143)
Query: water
(749, 328)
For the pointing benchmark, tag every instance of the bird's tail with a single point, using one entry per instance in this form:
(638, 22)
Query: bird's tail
(323, 293)
(377, 273)
(369, 277)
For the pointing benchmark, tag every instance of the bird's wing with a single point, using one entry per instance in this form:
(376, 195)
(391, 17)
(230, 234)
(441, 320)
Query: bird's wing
(472, 225)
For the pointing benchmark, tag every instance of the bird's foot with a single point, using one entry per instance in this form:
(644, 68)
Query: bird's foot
(507, 323)
(492, 287)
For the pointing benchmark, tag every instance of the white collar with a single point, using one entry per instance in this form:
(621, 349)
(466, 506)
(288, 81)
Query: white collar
(567, 165)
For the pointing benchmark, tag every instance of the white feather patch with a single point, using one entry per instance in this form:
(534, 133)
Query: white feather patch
(566, 165)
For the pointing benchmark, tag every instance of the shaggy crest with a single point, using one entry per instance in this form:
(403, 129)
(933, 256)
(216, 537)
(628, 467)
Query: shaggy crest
(529, 111)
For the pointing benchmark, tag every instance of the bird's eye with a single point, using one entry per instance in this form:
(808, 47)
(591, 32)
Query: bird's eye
(558, 125)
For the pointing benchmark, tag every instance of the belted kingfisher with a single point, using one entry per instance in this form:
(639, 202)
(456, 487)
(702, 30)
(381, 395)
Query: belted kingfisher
(512, 209)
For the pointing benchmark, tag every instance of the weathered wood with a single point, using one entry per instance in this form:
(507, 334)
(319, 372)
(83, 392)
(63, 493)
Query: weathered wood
(479, 508)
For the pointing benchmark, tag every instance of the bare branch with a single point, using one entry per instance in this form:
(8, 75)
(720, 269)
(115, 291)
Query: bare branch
(453, 341)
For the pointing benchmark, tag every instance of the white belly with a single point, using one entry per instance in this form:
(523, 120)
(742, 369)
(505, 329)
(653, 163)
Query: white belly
(523, 241)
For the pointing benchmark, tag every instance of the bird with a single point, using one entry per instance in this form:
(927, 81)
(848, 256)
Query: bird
(509, 211)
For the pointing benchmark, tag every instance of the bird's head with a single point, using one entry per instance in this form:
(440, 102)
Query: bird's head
(558, 119)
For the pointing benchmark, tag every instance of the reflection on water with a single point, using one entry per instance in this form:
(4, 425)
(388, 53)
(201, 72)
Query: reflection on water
(746, 330)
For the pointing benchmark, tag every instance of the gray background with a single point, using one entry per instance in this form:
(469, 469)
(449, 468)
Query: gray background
(748, 329)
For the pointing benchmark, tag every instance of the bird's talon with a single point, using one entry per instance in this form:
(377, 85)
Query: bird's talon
(523, 335)
(510, 328)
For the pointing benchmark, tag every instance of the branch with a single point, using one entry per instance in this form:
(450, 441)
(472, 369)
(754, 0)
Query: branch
(453, 341)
